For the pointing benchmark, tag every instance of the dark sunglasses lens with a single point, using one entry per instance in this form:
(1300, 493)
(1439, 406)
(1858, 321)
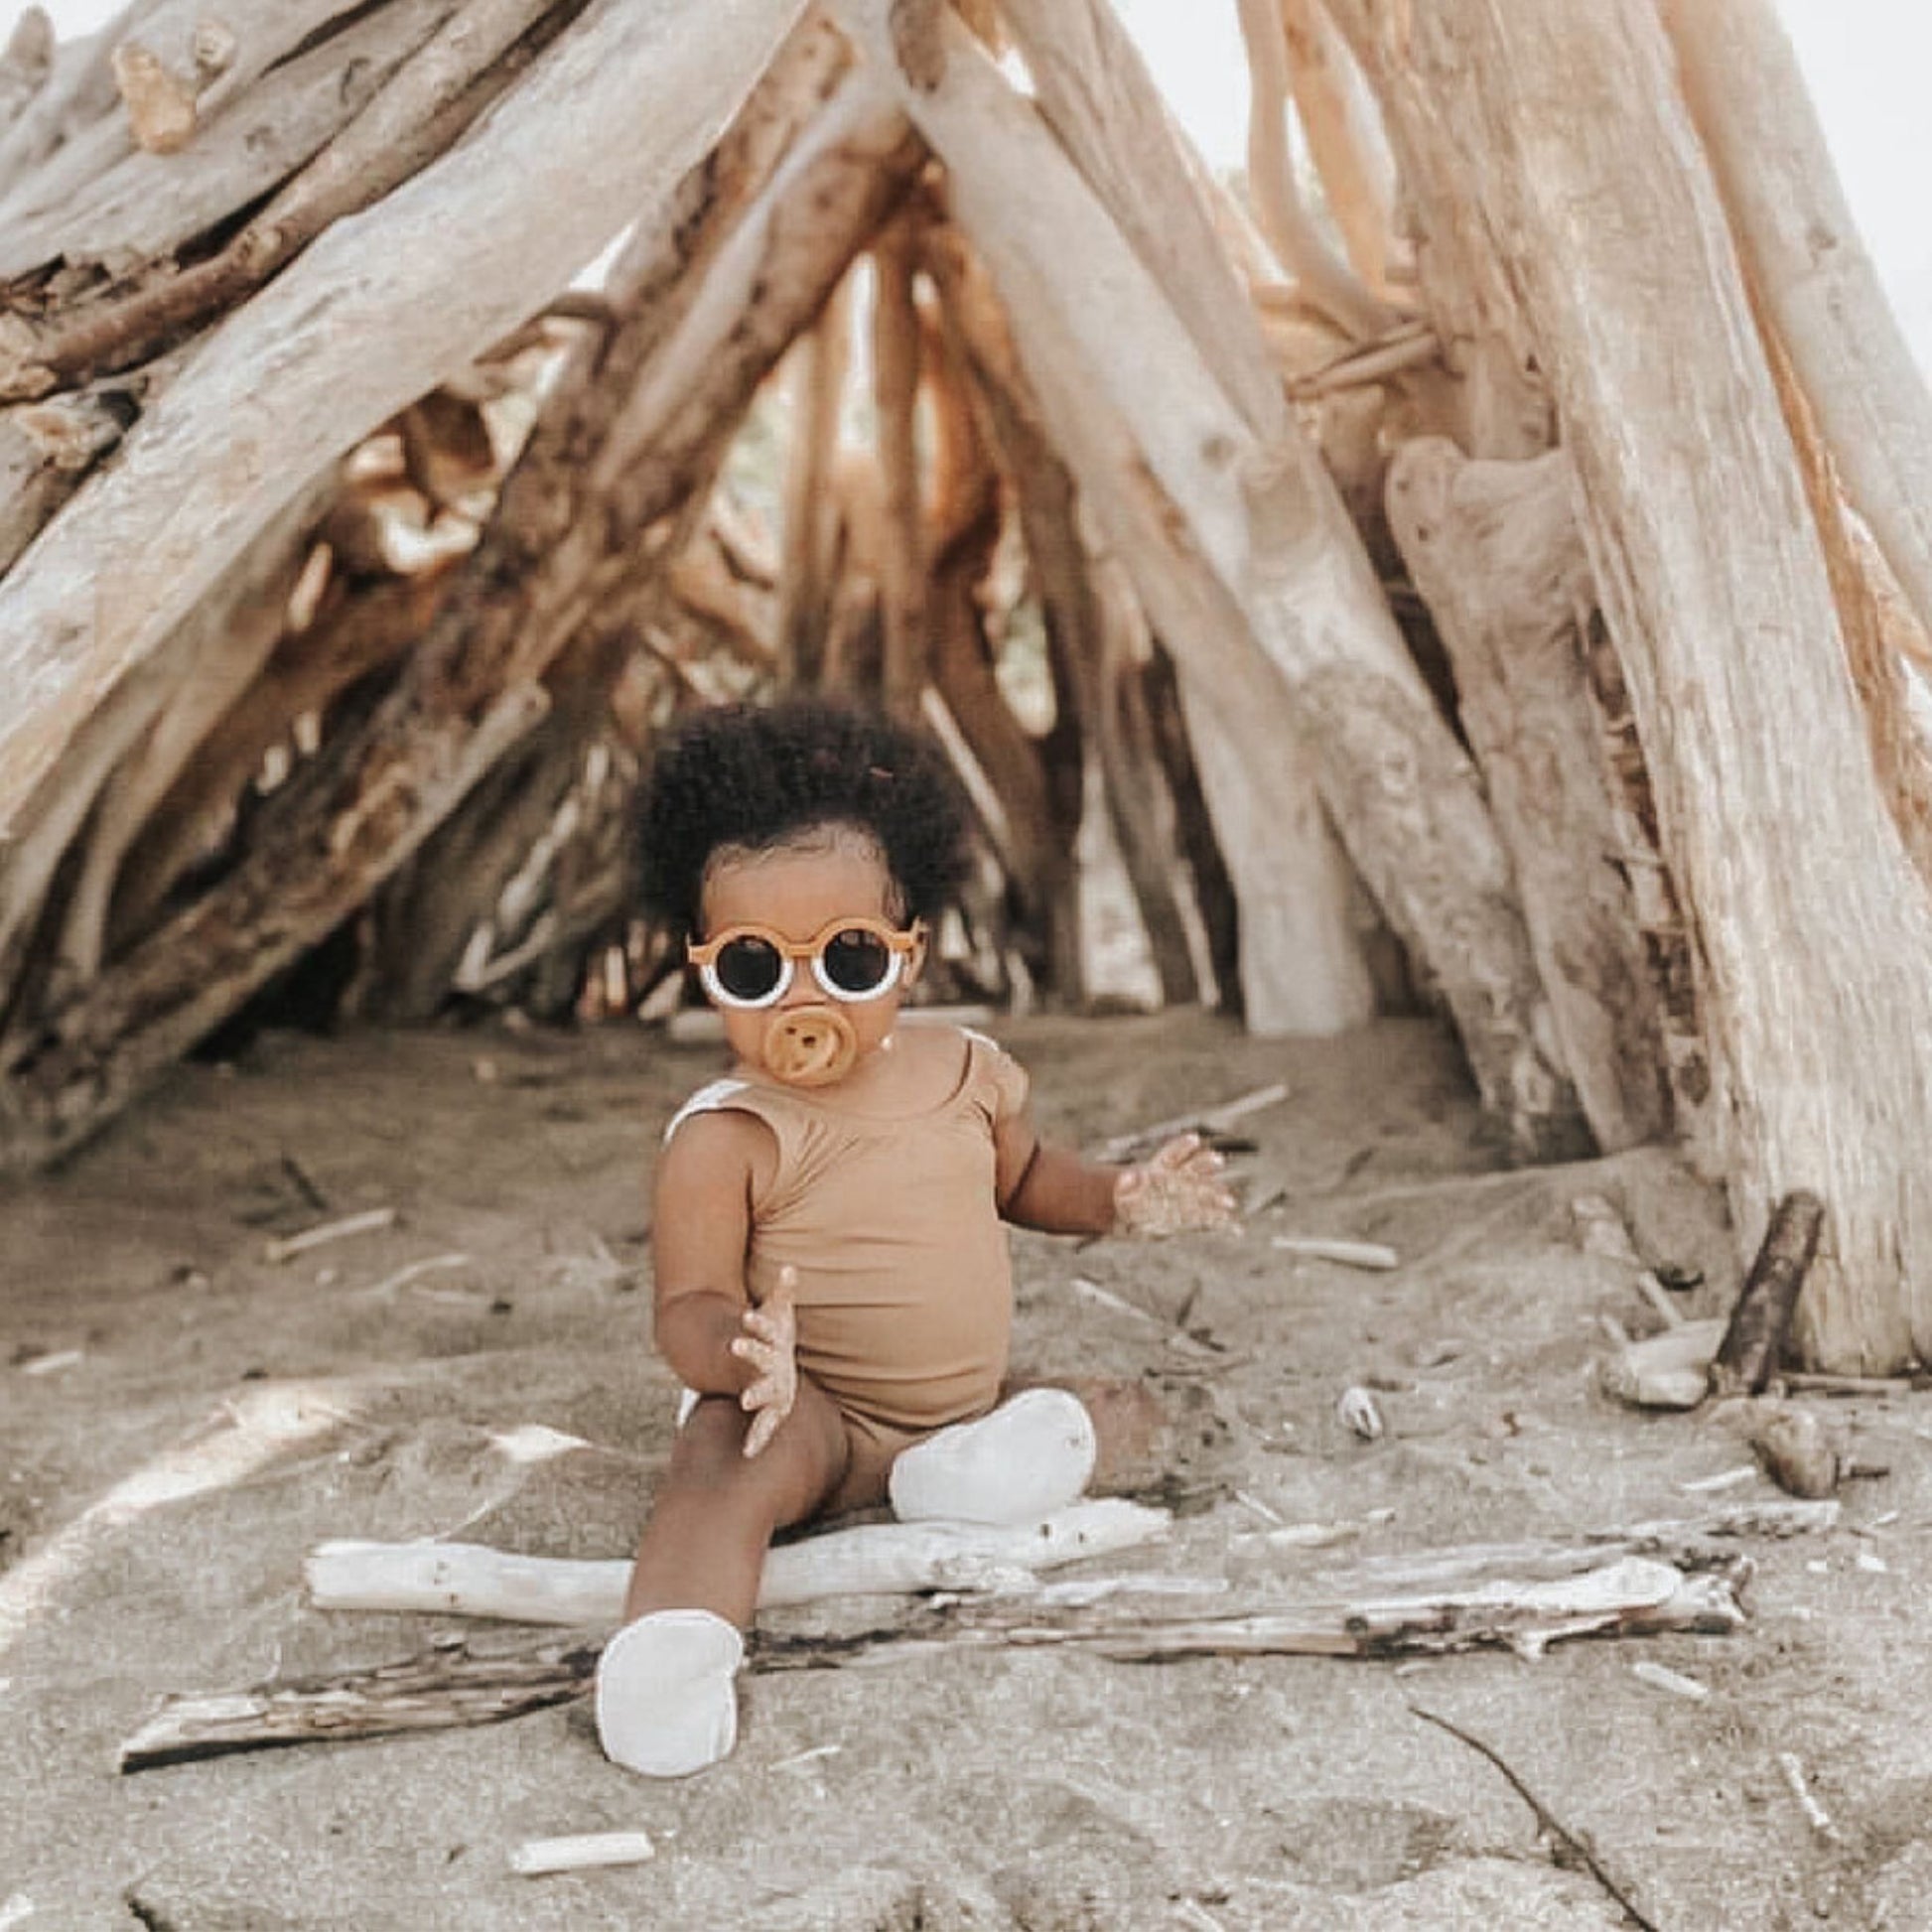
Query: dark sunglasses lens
(749, 969)
(857, 961)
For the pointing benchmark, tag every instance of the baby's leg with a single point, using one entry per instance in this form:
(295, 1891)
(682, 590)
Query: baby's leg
(665, 1698)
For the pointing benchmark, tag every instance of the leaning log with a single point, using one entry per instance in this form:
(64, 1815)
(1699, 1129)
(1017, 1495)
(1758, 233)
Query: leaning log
(1809, 925)
(1232, 542)
(327, 841)
(469, 247)
(1495, 552)
(1753, 1338)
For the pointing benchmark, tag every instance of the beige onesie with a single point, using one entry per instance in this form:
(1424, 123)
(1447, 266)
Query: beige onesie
(905, 1291)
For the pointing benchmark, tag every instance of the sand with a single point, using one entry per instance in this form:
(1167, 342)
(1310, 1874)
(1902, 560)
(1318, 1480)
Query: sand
(182, 1418)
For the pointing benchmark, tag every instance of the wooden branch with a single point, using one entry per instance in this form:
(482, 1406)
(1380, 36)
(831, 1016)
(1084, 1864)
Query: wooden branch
(1496, 553)
(148, 208)
(25, 63)
(872, 1559)
(895, 390)
(1790, 220)
(322, 846)
(1346, 144)
(1098, 98)
(430, 1692)
(47, 450)
(805, 568)
(1581, 1850)
(1328, 281)
(1626, 1597)
(525, 203)
(79, 90)
(1747, 1356)
(427, 105)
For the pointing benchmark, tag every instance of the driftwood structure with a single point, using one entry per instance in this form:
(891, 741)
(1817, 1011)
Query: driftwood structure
(1501, 578)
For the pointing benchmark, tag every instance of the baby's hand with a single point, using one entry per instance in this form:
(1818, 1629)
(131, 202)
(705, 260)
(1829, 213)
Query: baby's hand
(771, 1333)
(1176, 1188)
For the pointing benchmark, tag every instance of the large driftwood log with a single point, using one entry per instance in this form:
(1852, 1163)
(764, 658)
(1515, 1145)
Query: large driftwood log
(1231, 542)
(1625, 1596)
(1495, 552)
(467, 249)
(1809, 266)
(1570, 147)
(328, 841)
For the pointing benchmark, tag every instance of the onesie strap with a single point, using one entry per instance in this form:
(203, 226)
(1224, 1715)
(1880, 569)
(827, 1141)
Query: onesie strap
(715, 1098)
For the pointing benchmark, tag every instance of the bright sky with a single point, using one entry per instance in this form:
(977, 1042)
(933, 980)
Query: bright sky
(1866, 61)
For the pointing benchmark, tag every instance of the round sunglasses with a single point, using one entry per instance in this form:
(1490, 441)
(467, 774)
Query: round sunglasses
(851, 959)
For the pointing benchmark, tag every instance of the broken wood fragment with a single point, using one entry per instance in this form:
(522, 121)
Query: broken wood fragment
(1801, 1452)
(590, 1851)
(1671, 1371)
(1753, 1339)
(1350, 1254)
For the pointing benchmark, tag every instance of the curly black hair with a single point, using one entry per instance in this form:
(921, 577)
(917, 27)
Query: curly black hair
(758, 776)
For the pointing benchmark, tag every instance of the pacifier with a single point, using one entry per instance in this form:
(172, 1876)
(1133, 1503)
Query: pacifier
(809, 1045)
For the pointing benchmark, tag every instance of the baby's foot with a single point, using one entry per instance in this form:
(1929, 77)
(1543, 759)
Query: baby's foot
(1031, 1457)
(665, 1702)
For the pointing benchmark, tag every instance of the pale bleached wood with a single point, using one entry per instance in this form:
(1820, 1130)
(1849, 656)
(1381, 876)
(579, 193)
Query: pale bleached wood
(465, 250)
(585, 524)
(1809, 927)
(47, 450)
(1789, 216)
(25, 63)
(874, 1559)
(1323, 276)
(1345, 140)
(1231, 543)
(1100, 101)
(78, 88)
(1301, 968)
(1495, 552)
(148, 206)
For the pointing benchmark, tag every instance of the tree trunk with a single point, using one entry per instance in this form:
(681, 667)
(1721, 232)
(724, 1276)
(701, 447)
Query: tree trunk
(1810, 928)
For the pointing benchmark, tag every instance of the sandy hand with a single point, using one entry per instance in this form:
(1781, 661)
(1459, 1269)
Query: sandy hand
(1178, 1188)
(771, 1334)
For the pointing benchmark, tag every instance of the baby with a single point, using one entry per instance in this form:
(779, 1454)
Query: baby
(832, 1279)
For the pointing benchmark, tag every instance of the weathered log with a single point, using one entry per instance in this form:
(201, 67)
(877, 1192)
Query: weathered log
(1345, 140)
(432, 1692)
(806, 562)
(469, 246)
(895, 336)
(1329, 282)
(1098, 98)
(325, 843)
(1789, 219)
(1625, 1596)
(1088, 633)
(1753, 1340)
(1808, 923)
(872, 1559)
(1230, 542)
(1495, 551)
(148, 206)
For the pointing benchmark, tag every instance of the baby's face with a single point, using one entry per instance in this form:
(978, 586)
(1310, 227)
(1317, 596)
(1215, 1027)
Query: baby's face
(796, 892)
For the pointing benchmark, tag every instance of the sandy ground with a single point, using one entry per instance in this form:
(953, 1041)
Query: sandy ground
(180, 1418)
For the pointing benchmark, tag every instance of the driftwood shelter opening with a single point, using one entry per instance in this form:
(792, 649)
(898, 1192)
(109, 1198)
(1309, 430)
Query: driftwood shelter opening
(1489, 565)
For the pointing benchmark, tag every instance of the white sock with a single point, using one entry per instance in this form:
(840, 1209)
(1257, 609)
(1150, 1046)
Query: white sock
(665, 1702)
(1031, 1457)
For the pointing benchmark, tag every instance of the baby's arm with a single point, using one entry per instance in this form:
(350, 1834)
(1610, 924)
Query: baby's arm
(714, 1341)
(1060, 1192)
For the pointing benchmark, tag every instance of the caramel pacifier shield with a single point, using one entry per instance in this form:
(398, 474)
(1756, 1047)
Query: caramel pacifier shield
(809, 1047)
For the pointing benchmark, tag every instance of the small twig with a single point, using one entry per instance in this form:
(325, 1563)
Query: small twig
(1547, 1820)
(305, 1186)
(1209, 1120)
(1819, 1819)
(1850, 1384)
(1349, 1254)
(368, 1223)
(403, 1276)
(541, 1856)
